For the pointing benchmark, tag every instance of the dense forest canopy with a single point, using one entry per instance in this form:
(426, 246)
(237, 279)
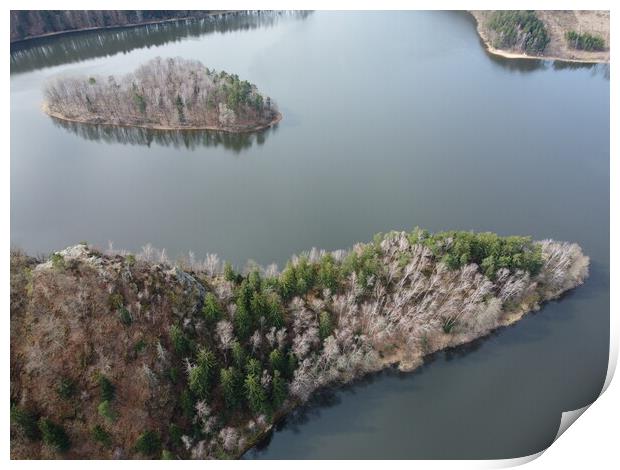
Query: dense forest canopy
(32, 23)
(197, 360)
(518, 29)
(487, 250)
(174, 93)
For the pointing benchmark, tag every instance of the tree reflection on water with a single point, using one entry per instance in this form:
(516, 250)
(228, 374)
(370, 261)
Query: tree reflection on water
(79, 46)
(187, 139)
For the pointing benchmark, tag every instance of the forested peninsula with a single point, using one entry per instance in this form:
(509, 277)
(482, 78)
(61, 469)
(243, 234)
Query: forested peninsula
(567, 35)
(163, 94)
(120, 355)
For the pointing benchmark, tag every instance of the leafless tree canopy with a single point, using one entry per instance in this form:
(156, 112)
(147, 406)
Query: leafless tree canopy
(163, 93)
(416, 305)
(325, 333)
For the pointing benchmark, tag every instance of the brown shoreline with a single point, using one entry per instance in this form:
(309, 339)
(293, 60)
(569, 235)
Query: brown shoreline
(129, 25)
(516, 55)
(158, 127)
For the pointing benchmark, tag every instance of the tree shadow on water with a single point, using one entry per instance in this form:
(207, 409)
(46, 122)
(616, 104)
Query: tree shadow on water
(320, 401)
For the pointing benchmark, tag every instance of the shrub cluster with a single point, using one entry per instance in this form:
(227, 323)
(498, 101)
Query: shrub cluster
(66, 388)
(107, 392)
(585, 41)
(35, 428)
(54, 435)
(25, 421)
(149, 444)
(101, 436)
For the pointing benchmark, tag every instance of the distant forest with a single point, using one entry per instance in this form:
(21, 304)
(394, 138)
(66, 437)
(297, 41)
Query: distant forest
(27, 24)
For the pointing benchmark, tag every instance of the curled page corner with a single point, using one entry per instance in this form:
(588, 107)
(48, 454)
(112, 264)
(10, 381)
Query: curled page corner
(568, 418)
(515, 462)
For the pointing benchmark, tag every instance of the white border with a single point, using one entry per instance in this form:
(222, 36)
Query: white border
(589, 443)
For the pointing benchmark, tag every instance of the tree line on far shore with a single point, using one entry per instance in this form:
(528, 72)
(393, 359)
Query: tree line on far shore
(32, 23)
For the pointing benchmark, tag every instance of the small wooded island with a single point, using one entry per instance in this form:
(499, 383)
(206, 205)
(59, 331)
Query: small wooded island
(115, 355)
(163, 94)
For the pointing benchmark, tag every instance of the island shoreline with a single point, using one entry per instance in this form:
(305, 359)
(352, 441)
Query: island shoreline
(159, 127)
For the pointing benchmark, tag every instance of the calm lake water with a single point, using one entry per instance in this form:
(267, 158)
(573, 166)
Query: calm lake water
(391, 120)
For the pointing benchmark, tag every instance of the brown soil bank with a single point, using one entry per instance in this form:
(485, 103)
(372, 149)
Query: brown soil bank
(127, 356)
(557, 23)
